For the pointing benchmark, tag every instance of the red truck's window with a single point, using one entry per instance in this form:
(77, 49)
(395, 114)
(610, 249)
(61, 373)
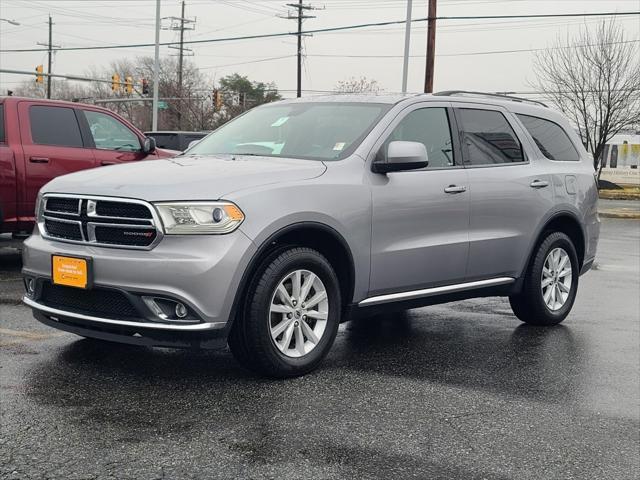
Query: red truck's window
(54, 126)
(1, 123)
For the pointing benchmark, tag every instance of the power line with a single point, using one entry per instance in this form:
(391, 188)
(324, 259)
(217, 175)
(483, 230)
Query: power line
(330, 29)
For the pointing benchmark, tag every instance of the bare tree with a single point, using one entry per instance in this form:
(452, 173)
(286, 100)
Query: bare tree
(357, 85)
(594, 78)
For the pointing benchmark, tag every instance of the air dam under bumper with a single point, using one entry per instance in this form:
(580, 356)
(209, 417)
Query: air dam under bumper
(203, 272)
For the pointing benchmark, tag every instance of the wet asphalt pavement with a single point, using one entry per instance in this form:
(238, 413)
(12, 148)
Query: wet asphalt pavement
(456, 391)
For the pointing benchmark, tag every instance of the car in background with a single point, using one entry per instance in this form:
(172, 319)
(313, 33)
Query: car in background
(42, 139)
(175, 140)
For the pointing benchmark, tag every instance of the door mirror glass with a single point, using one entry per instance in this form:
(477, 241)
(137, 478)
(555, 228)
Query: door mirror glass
(148, 145)
(192, 143)
(402, 156)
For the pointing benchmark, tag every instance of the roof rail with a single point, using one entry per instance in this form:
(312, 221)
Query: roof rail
(449, 93)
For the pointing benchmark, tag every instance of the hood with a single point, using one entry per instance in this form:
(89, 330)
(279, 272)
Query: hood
(185, 178)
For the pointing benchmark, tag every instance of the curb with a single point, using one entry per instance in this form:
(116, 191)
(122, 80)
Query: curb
(618, 195)
(629, 215)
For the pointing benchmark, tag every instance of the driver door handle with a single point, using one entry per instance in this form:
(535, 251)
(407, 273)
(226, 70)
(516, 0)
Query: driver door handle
(455, 189)
(539, 184)
(39, 160)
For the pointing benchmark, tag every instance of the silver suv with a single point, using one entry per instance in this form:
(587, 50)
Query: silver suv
(299, 215)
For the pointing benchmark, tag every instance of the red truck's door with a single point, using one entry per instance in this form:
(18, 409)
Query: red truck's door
(114, 140)
(52, 144)
(8, 214)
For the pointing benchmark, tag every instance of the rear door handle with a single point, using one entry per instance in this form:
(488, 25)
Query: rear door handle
(539, 184)
(39, 160)
(105, 162)
(455, 189)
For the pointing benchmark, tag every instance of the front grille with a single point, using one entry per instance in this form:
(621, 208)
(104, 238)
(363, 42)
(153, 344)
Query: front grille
(104, 221)
(120, 209)
(98, 302)
(62, 205)
(60, 229)
(141, 237)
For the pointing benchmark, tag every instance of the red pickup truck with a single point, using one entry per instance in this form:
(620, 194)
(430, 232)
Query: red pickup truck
(42, 139)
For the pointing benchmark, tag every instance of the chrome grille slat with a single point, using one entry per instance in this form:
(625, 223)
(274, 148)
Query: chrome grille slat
(128, 231)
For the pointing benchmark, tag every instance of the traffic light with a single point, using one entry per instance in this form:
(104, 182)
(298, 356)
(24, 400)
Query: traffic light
(39, 77)
(217, 99)
(115, 82)
(145, 86)
(128, 84)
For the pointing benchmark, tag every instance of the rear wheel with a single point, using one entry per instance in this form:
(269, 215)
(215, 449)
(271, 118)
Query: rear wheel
(290, 316)
(550, 283)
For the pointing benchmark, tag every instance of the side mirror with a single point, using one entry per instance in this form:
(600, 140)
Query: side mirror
(192, 143)
(402, 156)
(148, 145)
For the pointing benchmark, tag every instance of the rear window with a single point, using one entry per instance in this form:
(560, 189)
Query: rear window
(2, 137)
(54, 126)
(551, 139)
(166, 140)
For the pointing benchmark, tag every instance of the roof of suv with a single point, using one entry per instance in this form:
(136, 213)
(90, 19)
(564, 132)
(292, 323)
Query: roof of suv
(513, 104)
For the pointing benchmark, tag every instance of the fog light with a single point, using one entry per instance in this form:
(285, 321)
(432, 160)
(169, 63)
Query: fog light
(30, 285)
(181, 310)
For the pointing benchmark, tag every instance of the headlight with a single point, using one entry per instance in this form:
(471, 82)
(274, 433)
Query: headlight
(199, 218)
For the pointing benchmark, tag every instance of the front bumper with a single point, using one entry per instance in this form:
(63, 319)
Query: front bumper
(202, 272)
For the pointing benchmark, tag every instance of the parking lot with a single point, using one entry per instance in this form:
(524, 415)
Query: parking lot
(453, 391)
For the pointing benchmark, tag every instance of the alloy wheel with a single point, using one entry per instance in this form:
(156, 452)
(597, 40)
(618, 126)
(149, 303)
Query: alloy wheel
(556, 279)
(298, 313)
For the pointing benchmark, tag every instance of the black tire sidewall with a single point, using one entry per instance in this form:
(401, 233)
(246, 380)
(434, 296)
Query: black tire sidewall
(552, 242)
(259, 304)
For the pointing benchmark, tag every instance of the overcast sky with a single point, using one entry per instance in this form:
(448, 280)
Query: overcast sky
(330, 57)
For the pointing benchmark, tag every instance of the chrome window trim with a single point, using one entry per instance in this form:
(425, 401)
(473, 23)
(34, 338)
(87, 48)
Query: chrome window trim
(53, 312)
(154, 221)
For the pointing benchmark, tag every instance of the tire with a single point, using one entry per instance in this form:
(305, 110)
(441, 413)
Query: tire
(532, 304)
(265, 337)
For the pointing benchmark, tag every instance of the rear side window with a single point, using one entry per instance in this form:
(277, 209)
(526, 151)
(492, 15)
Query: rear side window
(2, 136)
(551, 139)
(488, 138)
(54, 126)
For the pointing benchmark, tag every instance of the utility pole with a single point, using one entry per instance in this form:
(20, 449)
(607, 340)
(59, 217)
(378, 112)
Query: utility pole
(300, 16)
(50, 46)
(180, 24)
(407, 42)
(156, 72)
(431, 47)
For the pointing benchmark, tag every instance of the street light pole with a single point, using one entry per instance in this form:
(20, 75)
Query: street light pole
(407, 42)
(50, 45)
(156, 71)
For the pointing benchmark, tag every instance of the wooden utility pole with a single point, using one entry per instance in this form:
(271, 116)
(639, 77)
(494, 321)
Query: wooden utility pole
(300, 16)
(431, 47)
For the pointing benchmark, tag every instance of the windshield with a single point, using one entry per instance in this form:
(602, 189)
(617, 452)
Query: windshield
(313, 131)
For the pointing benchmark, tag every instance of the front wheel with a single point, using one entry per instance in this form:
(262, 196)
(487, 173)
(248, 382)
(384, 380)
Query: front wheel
(550, 283)
(291, 315)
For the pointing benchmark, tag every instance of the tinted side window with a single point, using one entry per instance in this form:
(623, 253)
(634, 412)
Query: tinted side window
(488, 138)
(551, 139)
(54, 126)
(2, 137)
(429, 126)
